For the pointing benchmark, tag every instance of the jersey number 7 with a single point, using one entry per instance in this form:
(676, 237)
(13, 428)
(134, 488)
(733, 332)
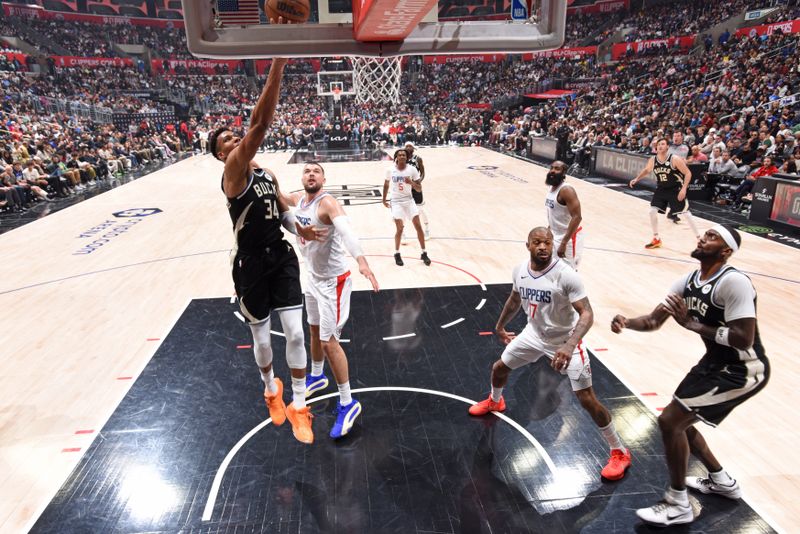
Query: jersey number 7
(533, 309)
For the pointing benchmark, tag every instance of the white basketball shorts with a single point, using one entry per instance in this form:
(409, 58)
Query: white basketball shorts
(574, 251)
(404, 210)
(528, 348)
(328, 304)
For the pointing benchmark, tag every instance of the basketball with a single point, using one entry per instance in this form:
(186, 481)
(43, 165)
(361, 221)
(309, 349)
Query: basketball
(292, 10)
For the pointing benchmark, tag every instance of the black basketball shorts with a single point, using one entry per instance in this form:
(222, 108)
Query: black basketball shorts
(663, 199)
(712, 390)
(266, 282)
(417, 196)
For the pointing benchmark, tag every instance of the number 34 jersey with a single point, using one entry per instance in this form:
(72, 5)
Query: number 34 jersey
(547, 298)
(254, 213)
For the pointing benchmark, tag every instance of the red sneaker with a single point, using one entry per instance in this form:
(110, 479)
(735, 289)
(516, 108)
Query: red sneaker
(488, 405)
(619, 462)
(655, 243)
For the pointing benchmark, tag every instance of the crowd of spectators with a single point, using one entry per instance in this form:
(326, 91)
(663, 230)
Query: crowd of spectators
(684, 17)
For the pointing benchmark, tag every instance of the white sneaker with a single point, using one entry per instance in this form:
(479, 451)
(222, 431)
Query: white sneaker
(665, 513)
(706, 486)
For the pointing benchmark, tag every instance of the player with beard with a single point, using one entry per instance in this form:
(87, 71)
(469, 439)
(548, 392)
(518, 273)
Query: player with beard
(559, 315)
(265, 270)
(564, 215)
(717, 302)
(328, 288)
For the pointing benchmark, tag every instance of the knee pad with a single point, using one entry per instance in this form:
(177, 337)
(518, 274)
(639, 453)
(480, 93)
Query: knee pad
(292, 323)
(262, 343)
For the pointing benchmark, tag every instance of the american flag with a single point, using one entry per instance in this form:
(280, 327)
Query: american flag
(237, 12)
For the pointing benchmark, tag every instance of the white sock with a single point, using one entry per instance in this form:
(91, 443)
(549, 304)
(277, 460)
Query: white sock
(611, 436)
(654, 222)
(299, 392)
(692, 223)
(317, 367)
(721, 477)
(679, 497)
(269, 381)
(496, 394)
(344, 394)
(424, 251)
(397, 251)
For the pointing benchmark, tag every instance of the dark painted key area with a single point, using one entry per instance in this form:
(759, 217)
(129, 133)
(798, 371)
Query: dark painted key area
(416, 462)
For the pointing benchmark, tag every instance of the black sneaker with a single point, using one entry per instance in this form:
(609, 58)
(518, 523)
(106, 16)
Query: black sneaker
(674, 218)
(398, 260)
(425, 259)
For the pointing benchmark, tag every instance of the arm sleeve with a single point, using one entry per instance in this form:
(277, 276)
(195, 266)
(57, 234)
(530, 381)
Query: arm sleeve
(287, 221)
(514, 274)
(349, 239)
(678, 286)
(573, 286)
(736, 294)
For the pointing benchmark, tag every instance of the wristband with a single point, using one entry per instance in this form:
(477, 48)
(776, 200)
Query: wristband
(722, 336)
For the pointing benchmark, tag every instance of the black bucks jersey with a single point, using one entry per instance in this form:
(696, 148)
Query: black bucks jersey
(255, 216)
(725, 377)
(668, 178)
(710, 303)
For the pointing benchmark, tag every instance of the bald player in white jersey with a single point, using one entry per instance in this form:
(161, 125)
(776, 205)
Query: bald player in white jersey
(559, 315)
(564, 215)
(328, 289)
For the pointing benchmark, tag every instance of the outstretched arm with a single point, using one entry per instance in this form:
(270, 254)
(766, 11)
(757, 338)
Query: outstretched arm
(238, 161)
(644, 172)
(331, 212)
(645, 323)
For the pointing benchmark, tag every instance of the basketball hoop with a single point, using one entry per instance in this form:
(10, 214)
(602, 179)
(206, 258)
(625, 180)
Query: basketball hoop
(377, 79)
(337, 94)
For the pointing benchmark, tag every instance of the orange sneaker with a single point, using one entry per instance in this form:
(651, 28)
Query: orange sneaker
(488, 405)
(301, 423)
(619, 462)
(655, 243)
(275, 405)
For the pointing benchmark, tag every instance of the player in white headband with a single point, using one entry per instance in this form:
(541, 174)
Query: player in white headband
(717, 302)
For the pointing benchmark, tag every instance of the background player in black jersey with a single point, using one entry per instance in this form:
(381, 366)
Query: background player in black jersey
(719, 303)
(415, 161)
(266, 273)
(672, 182)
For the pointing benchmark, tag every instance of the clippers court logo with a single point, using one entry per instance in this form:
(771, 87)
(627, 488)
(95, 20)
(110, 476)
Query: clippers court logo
(496, 172)
(137, 212)
(101, 234)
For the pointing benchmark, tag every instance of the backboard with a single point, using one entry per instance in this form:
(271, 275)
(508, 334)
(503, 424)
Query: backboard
(412, 27)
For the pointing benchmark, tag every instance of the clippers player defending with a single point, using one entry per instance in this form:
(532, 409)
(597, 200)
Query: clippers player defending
(403, 178)
(559, 315)
(328, 289)
(564, 215)
(717, 302)
(266, 273)
(672, 182)
(415, 161)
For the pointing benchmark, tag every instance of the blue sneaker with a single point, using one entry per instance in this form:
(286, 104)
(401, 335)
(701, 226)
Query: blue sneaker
(345, 417)
(315, 383)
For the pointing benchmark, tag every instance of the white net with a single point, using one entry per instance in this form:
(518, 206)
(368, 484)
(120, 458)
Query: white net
(377, 79)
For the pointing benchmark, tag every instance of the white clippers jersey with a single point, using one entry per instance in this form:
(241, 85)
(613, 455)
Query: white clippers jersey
(401, 191)
(558, 216)
(326, 258)
(547, 299)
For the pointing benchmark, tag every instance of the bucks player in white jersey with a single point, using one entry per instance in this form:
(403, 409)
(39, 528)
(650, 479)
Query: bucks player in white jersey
(328, 288)
(564, 215)
(403, 178)
(559, 315)
(718, 303)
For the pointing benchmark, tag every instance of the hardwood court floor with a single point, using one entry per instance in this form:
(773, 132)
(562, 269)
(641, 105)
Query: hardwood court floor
(87, 296)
